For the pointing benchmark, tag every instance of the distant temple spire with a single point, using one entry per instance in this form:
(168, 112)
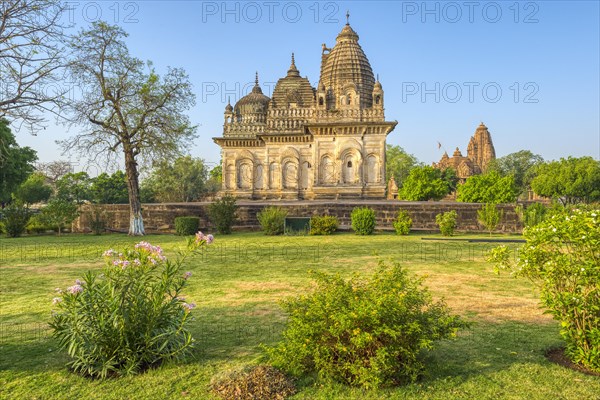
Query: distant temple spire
(347, 17)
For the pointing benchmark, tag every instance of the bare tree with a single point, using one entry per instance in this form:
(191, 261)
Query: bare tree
(31, 59)
(126, 107)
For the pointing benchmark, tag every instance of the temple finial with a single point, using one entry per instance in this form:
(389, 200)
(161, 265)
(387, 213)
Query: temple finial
(377, 77)
(347, 17)
(256, 79)
(293, 61)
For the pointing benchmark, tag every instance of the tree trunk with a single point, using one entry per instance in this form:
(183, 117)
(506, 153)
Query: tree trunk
(136, 223)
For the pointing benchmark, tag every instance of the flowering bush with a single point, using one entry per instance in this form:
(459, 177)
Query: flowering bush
(562, 257)
(365, 332)
(130, 317)
(403, 223)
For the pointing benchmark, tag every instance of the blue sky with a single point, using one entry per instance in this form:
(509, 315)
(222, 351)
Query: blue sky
(528, 70)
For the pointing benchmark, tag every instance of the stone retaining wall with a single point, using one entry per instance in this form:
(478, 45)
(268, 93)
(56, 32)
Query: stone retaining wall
(159, 218)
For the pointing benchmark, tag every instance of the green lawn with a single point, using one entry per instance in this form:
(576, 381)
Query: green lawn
(236, 283)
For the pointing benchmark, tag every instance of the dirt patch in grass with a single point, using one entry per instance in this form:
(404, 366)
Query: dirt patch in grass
(557, 356)
(259, 383)
(486, 304)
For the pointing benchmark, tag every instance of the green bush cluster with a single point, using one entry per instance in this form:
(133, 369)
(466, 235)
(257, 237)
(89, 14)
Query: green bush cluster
(489, 216)
(561, 257)
(128, 317)
(37, 225)
(447, 222)
(323, 225)
(363, 220)
(186, 226)
(403, 223)
(15, 219)
(222, 213)
(272, 220)
(366, 332)
(534, 214)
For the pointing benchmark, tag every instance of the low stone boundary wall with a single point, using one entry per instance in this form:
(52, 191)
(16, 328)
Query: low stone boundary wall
(159, 218)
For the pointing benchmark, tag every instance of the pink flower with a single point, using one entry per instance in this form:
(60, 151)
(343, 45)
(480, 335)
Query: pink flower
(210, 239)
(187, 275)
(109, 253)
(78, 282)
(56, 300)
(189, 307)
(75, 289)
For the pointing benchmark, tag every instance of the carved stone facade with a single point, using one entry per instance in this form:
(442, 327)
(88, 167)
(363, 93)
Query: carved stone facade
(310, 143)
(480, 152)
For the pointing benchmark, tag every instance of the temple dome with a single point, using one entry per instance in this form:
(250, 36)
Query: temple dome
(293, 90)
(254, 102)
(345, 66)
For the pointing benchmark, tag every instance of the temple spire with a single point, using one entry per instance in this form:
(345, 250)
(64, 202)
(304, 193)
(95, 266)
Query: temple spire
(347, 17)
(293, 71)
(256, 79)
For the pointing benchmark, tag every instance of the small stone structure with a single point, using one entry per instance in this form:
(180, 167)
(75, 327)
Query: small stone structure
(159, 218)
(480, 152)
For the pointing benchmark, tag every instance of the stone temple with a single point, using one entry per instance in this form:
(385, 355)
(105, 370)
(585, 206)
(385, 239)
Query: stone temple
(480, 152)
(326, 142)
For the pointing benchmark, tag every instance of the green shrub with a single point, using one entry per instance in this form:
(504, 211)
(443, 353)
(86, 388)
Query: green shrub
(98, 220)
(402, 223)
(561, 257)
(222, 214)
(272, 220)
(363, 220)
(447, 222)
(14, 219)
(324, 225)
(186, 226)
(534, 214)
(36, 225)
(59, 213)
(128, 317)
(489, 216)
(262, 382)
(365, 332)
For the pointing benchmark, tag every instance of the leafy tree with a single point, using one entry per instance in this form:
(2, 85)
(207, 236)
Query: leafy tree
(16, 163)
(449, 176)
(59, 213)
(183, 180)
(14, 219)
(490, 187)
(215, 179)
(222, 213)
(33, 190)
(489, 216)
(569, 180)
(31, 58)
(127, 107)
(521, 165)
(398, 163)
(109, 189)
(74, 187)
(424, 183)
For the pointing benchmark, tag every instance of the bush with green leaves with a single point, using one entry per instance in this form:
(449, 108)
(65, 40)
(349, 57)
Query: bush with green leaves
(15, 218)
(489, 216)
(59, 214)
(272, 220)
(323, 225)
(403, 223)
(130, 316)
(222, 213)
(365, 331)
(363, 220)
(98, 220)
(36, 225)
(186, 226)
(561, 257)
(533, 214)
(447, 222)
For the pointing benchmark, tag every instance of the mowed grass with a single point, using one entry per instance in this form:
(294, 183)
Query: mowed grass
(237, 283)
